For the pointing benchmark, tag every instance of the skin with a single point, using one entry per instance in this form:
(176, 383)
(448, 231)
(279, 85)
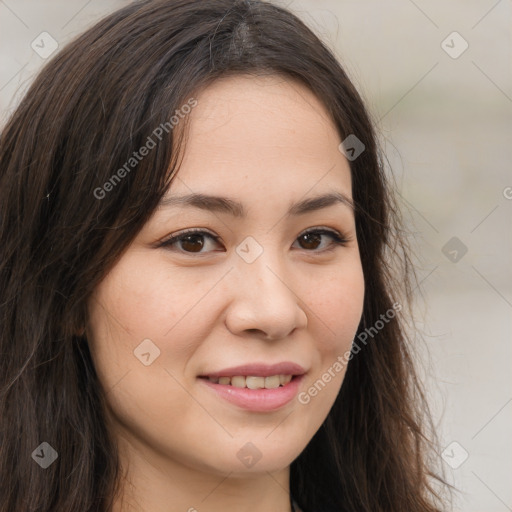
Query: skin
(267, 142)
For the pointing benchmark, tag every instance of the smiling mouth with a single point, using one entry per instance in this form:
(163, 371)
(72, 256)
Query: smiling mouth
(253, 382)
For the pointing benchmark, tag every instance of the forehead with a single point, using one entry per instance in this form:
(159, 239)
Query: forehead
(251, 134)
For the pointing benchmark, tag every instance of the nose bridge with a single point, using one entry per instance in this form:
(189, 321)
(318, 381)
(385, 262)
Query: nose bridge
(255, 259)
(266, 275)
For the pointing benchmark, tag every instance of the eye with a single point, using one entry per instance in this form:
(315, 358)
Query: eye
(190, 241)
(193, 241)
(312, 239)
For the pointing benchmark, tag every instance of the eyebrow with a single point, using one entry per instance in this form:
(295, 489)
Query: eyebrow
(225, 205)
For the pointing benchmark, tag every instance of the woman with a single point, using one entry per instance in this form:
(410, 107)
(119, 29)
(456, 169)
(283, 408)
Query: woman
(198, 311)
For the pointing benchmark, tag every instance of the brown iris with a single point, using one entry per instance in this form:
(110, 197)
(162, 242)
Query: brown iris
(192, 243)
(312, 240)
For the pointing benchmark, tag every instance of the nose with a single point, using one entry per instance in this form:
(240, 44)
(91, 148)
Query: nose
(264, 303)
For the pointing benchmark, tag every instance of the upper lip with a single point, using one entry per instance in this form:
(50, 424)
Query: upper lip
(259, 370)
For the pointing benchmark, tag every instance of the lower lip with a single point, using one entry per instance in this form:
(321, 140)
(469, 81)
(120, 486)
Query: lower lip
(257, 400)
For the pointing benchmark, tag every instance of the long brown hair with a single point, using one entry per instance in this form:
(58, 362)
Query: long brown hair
(93, 105)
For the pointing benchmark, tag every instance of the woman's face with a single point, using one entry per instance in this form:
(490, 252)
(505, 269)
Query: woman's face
(182, 332)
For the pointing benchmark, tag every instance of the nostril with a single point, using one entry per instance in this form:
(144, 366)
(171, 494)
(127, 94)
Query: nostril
(259, 332)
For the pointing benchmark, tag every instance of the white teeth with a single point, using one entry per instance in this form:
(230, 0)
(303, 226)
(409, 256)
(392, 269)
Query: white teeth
(252, 382)
(238, 381)
(284, 379)
(255, 382)
(272, 382)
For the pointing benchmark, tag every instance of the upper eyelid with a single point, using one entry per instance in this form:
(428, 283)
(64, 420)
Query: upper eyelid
(192, 231)
(185, 232)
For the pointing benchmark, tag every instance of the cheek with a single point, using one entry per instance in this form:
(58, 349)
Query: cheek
(128, 309)
(137, 302)
(336, 308)
(123, 311)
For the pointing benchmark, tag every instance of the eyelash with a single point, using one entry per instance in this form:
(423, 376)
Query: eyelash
(338, 239)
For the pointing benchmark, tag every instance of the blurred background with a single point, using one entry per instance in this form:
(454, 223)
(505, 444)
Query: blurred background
(437, 78)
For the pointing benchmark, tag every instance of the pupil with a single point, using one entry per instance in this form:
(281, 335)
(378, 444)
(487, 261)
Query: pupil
(192, 243)
(312, 240)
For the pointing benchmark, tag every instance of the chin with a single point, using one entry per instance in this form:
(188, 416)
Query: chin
(247, 455)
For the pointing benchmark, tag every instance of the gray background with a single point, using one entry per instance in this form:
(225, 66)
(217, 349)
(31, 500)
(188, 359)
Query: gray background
(446, 125)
